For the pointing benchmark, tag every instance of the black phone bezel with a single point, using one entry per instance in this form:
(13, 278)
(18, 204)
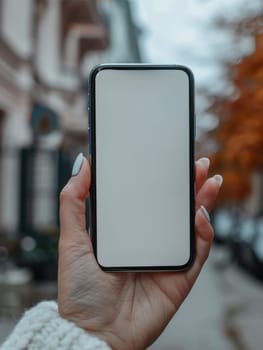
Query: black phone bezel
(92, 157)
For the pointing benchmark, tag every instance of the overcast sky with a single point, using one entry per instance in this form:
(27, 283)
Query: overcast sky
(183, 32)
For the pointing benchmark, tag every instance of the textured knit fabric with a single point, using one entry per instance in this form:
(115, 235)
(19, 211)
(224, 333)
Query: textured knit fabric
(41, 328)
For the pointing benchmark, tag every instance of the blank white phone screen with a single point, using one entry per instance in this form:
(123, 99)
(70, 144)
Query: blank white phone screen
(142, 167)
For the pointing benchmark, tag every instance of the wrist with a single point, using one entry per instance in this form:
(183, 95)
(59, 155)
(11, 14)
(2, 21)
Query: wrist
(109, 336)
(115, 342)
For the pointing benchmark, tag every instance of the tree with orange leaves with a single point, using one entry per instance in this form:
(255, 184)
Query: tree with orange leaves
(240, 134)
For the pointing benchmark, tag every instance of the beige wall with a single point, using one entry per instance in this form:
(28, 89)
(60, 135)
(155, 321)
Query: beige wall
(16, 25)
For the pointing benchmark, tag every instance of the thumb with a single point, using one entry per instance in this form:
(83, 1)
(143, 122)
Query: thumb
(72, 203)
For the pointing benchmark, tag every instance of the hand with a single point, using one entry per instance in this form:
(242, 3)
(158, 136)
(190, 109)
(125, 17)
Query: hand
(127, 310)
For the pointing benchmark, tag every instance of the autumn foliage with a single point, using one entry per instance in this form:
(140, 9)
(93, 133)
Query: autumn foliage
(240, 134)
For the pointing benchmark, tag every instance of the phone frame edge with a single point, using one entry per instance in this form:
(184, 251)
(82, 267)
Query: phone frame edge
(92, 148)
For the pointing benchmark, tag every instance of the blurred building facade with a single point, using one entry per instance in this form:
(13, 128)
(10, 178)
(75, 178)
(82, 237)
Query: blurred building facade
(47, 48)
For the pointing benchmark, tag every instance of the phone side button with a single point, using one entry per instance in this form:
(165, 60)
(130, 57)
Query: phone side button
(195, 124)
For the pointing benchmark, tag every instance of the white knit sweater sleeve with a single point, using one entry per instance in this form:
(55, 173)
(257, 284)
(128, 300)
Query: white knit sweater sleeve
(42, 328)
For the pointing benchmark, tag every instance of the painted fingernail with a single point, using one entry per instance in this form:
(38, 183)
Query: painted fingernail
(205, 212)
(218, 179)
(77, 164)
(205, 161)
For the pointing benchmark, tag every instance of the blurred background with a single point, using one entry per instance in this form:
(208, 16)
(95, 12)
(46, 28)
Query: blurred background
(47, 49)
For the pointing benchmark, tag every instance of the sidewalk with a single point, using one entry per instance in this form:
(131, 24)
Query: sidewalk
(223, 312)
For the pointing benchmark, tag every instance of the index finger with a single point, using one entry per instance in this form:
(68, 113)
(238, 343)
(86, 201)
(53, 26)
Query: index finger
(201, 172)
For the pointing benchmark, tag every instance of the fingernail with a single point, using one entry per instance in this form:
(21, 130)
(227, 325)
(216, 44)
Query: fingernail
(205, 161)
(77, 164)
(218, 179)
(205, 212)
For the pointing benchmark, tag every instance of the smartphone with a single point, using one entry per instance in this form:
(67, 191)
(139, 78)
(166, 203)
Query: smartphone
(142, 161)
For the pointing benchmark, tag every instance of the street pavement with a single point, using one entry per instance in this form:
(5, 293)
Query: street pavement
(224, 311)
